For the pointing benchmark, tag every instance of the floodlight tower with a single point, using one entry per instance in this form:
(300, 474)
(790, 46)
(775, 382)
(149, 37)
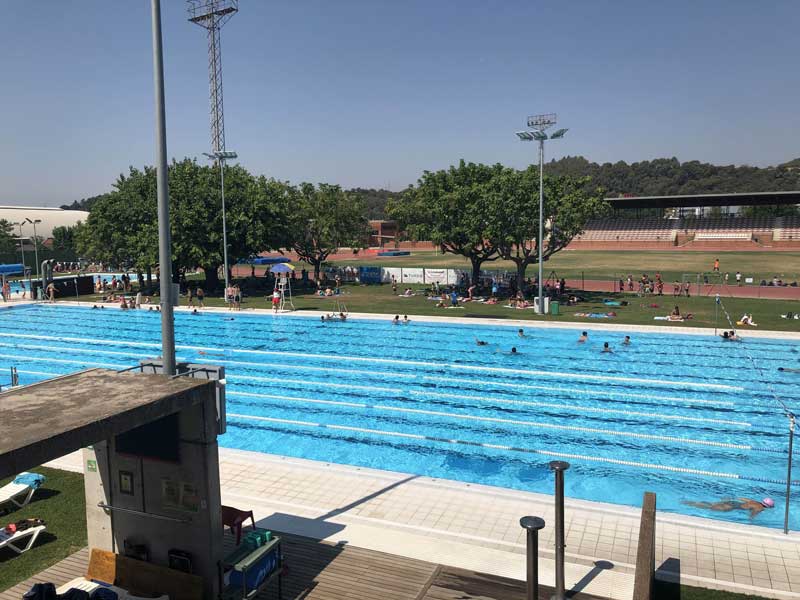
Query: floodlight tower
(212, 15)
(539, 124)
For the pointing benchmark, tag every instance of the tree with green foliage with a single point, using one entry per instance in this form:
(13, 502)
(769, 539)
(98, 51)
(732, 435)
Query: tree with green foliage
(511, 201)
(448, 208)
(670, 177)
(64, 238)
(323, 219)
(7, 243)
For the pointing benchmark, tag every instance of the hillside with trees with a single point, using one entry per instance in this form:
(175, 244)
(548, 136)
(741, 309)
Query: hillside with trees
(669, 176)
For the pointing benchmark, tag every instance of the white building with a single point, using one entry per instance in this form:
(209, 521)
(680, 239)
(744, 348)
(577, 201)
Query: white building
(49, 218)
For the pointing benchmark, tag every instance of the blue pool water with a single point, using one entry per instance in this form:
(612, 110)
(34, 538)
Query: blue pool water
(16, 288)
(685, 416)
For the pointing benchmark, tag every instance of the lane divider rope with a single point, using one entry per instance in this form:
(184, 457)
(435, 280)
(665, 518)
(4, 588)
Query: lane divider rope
(630, 463)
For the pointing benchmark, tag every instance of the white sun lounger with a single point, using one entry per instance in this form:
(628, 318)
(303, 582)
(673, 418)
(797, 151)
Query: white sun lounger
(14, 540)
(18, 494)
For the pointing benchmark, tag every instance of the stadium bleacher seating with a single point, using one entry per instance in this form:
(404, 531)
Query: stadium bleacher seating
(612, 230)
(727, 228)
(787, 228)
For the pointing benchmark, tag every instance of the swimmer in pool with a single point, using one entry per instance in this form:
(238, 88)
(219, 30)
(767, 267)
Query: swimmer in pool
(606, 347)
(584, 336)
(396, 320)
(481, 342)
(754, 506)
(627, 340)
(521, 333)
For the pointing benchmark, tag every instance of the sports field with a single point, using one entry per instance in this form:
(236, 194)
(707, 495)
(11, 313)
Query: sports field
(595, 264)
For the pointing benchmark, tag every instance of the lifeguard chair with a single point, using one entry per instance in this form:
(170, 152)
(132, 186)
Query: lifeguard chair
(283, 286)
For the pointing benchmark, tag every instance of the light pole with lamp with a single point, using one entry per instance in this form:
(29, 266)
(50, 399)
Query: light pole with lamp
(21, 245)
(539, 124)
(35, 242)
(221, 156)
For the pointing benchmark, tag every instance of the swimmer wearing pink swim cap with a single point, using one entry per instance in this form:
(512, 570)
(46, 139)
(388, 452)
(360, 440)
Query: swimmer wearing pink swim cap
(754, 506)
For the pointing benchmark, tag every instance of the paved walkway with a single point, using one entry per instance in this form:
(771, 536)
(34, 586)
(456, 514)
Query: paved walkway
(477, 527)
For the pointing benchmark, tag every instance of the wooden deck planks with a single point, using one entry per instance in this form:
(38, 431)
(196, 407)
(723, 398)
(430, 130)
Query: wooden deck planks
(324, 571)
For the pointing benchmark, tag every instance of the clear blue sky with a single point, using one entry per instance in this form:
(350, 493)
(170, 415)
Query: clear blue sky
(371, 92)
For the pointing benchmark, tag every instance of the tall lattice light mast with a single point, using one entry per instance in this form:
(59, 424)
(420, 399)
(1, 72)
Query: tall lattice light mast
(212, 15)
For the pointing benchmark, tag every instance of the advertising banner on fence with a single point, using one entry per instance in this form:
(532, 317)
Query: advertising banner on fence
(387, 272)
(413, 275)
(436, 276)
(369, 274)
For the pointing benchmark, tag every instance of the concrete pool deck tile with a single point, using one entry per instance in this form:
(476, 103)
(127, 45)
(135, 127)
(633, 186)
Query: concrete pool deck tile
(483, 522)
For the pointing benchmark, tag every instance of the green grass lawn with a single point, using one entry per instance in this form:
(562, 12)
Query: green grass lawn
(595, 264)
(380, 299)
(61, 503)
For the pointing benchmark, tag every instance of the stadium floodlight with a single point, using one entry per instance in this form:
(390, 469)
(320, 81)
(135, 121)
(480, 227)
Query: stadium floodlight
(221, 156)
(539, 124)
(542, 122)
(35, 242)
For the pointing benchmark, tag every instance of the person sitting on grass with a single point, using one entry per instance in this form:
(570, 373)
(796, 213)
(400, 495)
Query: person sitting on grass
(454, 298)
(747, 319)
(408, 292)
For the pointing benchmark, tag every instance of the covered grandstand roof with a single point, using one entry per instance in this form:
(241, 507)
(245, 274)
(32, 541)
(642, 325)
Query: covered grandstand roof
(50, 216)
(696, 200)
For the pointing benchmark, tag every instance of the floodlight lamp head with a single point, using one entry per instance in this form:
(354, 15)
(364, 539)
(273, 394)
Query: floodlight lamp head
(211, 13)
(542, 122)
(525, 136)
(220, 155)
(539, 136)
(558, 134)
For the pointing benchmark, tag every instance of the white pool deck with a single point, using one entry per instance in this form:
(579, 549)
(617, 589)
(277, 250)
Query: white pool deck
(477, 527)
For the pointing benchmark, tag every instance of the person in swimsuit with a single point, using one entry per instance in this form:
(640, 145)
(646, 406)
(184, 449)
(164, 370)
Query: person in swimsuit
(754, 506)
(606, 347)
(584, 336)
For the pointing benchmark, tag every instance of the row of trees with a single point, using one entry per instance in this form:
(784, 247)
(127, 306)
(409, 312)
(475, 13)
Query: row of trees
(262, 214)
(669, 176)
(480, 212)
(484, 213)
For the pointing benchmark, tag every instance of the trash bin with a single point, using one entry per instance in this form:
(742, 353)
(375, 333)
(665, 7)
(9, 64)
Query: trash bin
(554, 307)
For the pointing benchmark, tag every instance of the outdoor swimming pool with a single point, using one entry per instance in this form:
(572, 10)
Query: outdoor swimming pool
(685, 416)
(16, 288)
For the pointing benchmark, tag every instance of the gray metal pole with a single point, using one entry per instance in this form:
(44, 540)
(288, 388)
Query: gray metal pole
(532, 525)
(21, 248)
(224, 226)
(789, 476)
(164, 241)
(559, 467)
(36, 249)
(541, 223)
